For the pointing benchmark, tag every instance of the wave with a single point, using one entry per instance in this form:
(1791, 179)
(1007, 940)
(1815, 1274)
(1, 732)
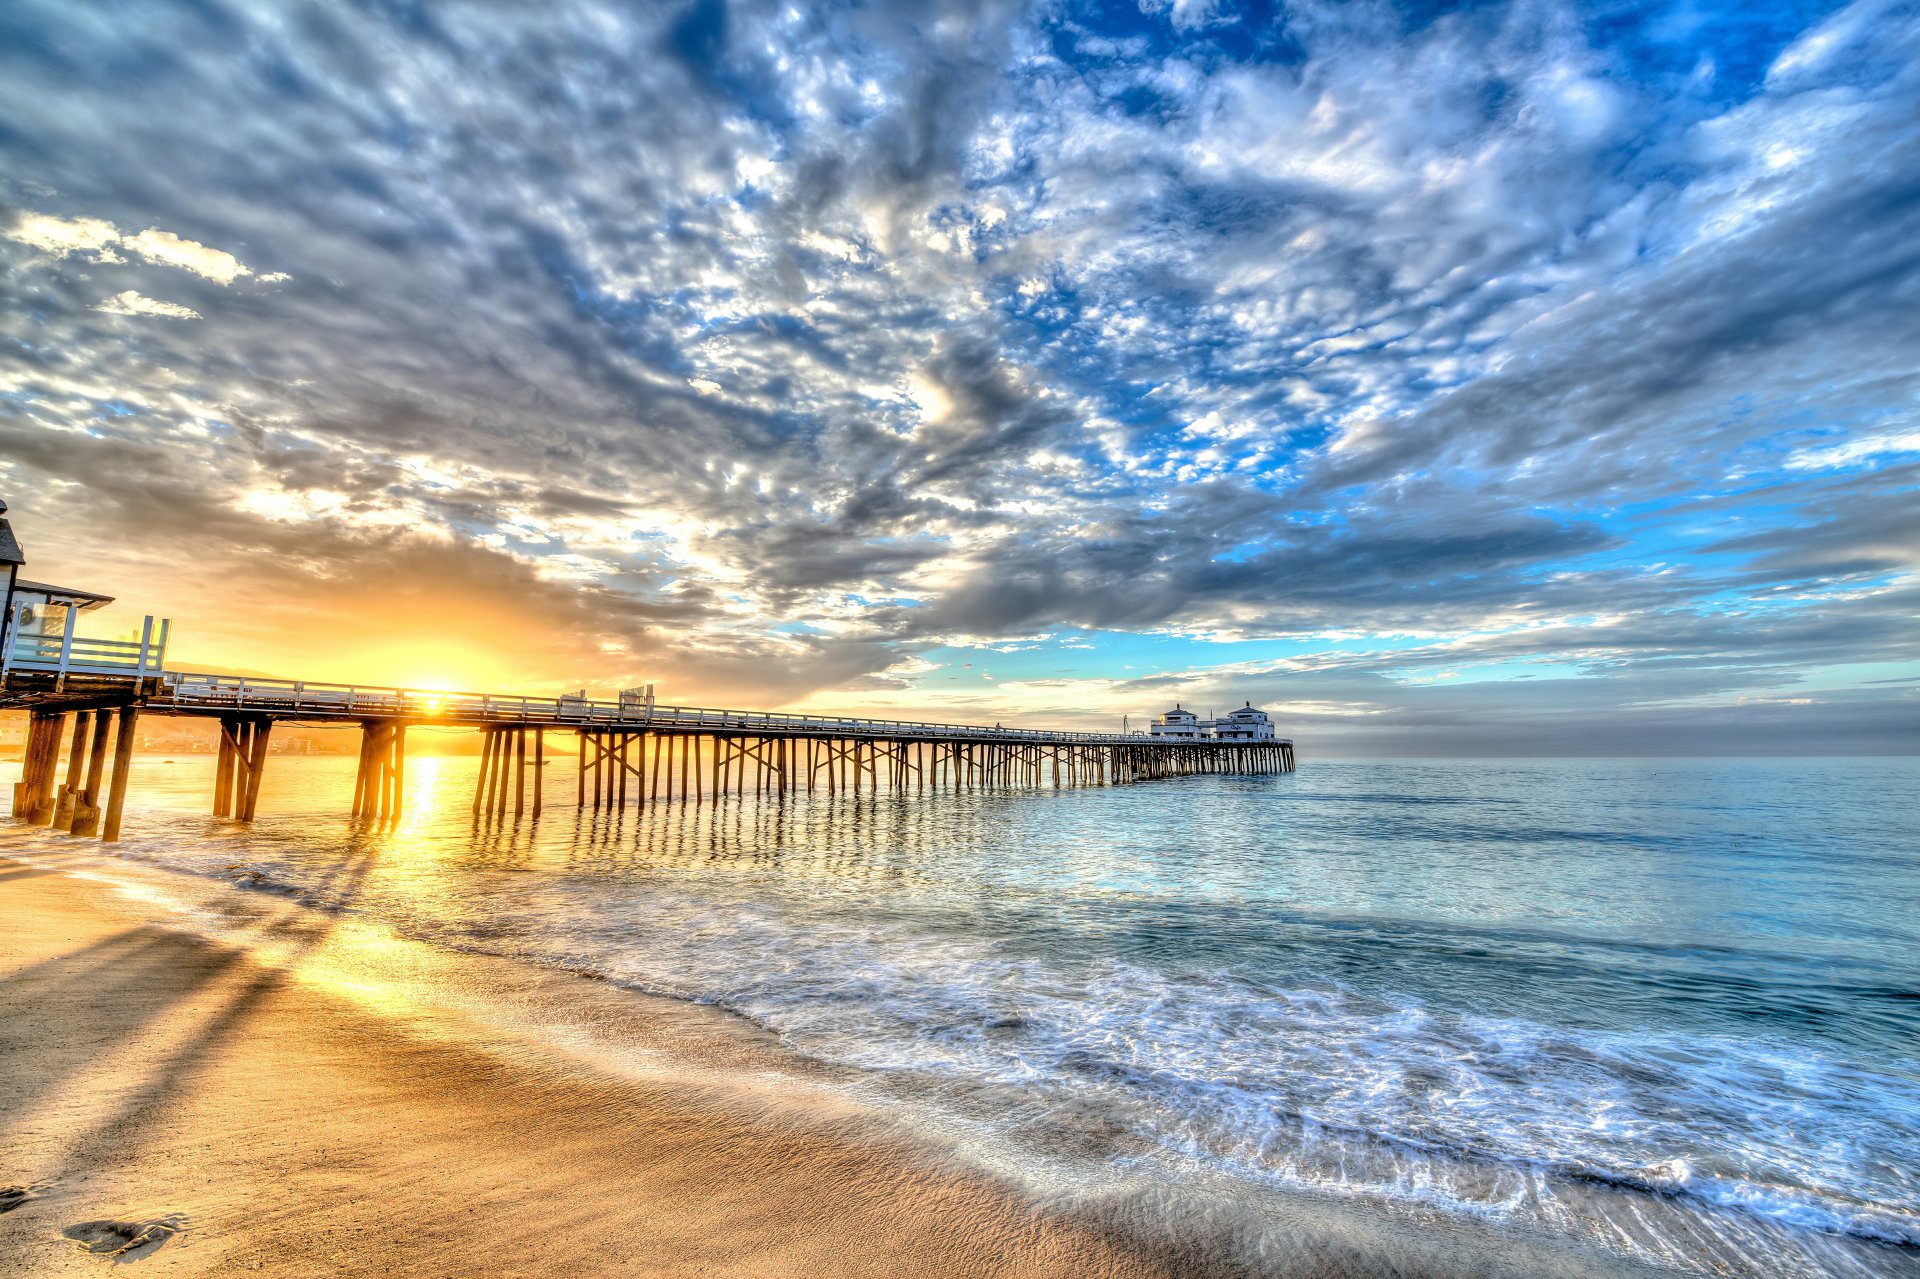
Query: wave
(1629, 1083)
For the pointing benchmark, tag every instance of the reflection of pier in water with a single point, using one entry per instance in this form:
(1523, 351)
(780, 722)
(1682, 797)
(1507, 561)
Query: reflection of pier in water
(888, 836)
(82, 693)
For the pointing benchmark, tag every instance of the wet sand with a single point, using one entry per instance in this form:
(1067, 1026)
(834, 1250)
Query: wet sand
(242, 1119)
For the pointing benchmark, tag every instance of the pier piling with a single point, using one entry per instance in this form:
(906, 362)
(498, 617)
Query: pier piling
(670, 756)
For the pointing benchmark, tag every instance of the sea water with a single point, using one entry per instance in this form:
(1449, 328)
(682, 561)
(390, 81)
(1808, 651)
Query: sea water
(1665, 1009)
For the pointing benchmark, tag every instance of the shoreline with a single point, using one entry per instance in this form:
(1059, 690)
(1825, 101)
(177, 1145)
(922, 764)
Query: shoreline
(151, 1075)
(318, 1105)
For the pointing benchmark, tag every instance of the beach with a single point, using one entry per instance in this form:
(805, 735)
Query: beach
(1004, 1035)
(214, 1113)
(160, 1086)
(153, 1077)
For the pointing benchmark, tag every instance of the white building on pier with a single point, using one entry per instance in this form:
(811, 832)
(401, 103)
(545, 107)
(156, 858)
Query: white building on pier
(1244, 725)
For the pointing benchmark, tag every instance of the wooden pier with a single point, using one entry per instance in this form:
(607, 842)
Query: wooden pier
(628, 755)
(88, 696)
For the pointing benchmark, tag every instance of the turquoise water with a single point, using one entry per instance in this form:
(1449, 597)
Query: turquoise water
(1669, 1009)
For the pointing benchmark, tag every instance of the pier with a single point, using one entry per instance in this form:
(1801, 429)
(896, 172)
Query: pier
(85, 698)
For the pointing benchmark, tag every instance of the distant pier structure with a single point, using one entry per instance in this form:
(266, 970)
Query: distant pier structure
(631, 751)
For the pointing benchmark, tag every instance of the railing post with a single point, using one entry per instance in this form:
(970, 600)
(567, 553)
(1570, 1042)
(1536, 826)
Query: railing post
(66, 638)
(146, 638)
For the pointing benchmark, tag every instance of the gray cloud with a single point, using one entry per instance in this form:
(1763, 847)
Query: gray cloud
(759, 350)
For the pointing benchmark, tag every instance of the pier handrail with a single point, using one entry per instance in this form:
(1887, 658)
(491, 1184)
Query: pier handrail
(71, 654)
(349, 701)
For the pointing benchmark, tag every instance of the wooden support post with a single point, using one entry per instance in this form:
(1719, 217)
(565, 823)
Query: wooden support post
(360, 776)
(519, 772)
(604, 767)
(383, 747)
(480, 778)
(122, 769)
(23, 789)
(76, 761)
(623, 768)
(44, 803)
(539, 766)
(399, 768)
(605, 779)
(490, 770)
(597, 761)
(382, 770)
(227, 778)
(86, 805)
(43, 749)
(241, 758)
(596, 746)
(256, 768)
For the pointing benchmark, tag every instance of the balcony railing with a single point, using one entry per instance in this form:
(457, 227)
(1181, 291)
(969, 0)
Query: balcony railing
(71, 654)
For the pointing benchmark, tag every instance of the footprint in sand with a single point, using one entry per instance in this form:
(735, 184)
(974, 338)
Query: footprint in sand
(126, 1240)
(12, 1197)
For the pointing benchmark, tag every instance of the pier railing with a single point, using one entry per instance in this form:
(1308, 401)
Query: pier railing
(71, 654)
(311, 699)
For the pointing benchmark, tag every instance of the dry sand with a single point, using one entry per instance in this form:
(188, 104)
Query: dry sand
(148, 1076)
(226, 1115)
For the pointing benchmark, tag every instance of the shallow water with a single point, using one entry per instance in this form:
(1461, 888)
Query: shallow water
(1667, 1009)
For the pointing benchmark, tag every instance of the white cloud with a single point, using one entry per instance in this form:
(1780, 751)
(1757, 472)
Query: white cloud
(1813, 51)
(169, 249)
(61, 237)
(98, 239)
(1854, 451)
(131, 303)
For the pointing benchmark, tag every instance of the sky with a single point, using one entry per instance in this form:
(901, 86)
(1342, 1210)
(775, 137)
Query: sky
(1495, 379)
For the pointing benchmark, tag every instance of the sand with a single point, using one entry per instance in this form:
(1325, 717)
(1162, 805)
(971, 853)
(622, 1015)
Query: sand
(251, 1123)
(294, 1107)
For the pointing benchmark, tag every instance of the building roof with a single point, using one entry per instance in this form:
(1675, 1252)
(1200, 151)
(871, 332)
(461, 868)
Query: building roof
(64, 594)
(10, 552)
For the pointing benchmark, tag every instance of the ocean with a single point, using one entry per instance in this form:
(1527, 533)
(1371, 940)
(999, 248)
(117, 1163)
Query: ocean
(1664, 1011)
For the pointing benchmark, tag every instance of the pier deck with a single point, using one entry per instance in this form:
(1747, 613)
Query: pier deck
(629, 752)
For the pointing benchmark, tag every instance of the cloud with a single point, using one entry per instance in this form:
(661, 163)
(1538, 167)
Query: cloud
(129, 302)
(764, 349)
(97, 240)
(61, 237)
(164, 247)
(1861, 449)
